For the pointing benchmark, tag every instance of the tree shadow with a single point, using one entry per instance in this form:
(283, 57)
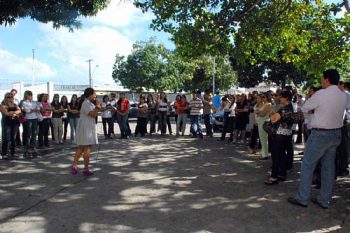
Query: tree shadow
(158, 184)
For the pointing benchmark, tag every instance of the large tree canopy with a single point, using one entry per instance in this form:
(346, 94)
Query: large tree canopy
(152, 66)
(59, 12)
(309, 35)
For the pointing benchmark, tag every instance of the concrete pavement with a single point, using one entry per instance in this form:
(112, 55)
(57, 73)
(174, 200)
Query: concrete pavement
(160, 185)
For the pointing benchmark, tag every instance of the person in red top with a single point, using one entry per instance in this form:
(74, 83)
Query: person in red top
(181, 110)
(123, 107)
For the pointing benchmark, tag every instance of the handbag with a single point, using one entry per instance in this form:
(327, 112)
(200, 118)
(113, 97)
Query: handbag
(22, 119)
(269, 128)
(298, 117)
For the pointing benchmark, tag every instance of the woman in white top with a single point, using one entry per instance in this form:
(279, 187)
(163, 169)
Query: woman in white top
(31, 109)
(107, 114)
(228, 104)
(86, 135)
(163, 108)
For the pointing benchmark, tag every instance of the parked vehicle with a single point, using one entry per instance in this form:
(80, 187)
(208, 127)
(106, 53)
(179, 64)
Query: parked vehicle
(218, 121)
(133, 110)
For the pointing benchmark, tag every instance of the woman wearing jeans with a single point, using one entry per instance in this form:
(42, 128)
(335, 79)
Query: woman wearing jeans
(181, 108)
(65, 121)
(73, 116)
(10, 111)
(44, 126)
(31, 109)
(123, 107)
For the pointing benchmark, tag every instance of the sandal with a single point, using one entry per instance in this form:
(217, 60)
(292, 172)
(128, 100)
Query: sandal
(87, 172)
(74, 170)
(271, 181)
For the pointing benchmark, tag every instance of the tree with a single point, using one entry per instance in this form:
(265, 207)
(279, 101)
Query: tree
(145, 68)
(309, 35)
(152, 66)
(276, 73)
(59, 12)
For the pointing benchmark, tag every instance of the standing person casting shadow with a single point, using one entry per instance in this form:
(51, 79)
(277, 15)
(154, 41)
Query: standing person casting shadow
(86, 134)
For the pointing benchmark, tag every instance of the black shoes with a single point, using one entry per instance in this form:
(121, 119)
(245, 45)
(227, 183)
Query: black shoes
(316, 202)
(294, 201)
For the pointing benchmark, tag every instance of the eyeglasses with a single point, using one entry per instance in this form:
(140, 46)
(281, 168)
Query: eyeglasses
(9, 97)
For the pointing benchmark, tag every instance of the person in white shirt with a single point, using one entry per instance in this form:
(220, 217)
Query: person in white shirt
(107, 115)
(329, 105)
(31, 109)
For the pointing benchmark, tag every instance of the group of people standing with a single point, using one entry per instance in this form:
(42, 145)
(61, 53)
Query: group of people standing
(270, 117)
(37, 118)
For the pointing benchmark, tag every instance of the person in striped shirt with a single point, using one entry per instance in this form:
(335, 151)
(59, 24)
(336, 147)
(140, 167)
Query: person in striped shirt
(196, 108)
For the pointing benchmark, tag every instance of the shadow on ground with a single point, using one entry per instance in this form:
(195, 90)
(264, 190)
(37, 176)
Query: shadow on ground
(159, 185)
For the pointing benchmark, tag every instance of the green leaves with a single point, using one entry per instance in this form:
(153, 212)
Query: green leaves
(309, 36)
(152, 66)
(60, 13)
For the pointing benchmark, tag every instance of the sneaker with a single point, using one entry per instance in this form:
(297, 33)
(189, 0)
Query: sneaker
(87, 172)
(74, 170)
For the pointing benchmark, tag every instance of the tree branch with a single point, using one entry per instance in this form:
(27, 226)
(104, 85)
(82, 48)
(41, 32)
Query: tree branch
(347, 5)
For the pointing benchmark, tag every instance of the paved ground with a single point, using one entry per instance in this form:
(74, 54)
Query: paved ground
(156, 184)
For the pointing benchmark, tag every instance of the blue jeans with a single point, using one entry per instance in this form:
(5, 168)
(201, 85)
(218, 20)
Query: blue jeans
(123, 125)
(321, 145)
(73, 122)
(32, 132)
(196, 128)
(208, 123)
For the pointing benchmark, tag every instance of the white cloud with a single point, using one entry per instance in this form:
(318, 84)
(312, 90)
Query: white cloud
(12, 66)
(121, 14)
(112, 31)
(73, 49)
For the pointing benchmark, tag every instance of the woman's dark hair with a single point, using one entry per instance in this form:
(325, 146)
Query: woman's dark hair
(81, 100)
(332, 75)
(148, 99)
(287, 94)
(165, 98)
(40, 97)
(53, 99)
(89, 92)
(62, 103)
(142, 97)
(120, 98)
(104, 97)
(75, 101)
(26, 94)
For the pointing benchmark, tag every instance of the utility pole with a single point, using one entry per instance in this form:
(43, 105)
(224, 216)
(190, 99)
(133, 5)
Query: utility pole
(90, 77)
(33, 73)
(213, 75)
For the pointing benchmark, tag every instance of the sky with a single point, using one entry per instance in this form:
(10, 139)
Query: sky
(61, 56)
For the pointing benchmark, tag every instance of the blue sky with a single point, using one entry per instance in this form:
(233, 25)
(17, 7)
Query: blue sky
(60, 55)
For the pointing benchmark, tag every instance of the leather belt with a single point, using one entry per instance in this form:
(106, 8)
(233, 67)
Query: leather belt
(321, 129)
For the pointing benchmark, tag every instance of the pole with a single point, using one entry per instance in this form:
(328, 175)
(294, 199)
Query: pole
(90, 77)
(213, 75)
(33, 73)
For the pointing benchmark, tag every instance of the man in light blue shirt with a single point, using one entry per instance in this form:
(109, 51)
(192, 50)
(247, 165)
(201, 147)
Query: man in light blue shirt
(217, 101)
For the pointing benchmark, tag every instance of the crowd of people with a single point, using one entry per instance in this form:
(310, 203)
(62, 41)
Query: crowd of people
(269, 120)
